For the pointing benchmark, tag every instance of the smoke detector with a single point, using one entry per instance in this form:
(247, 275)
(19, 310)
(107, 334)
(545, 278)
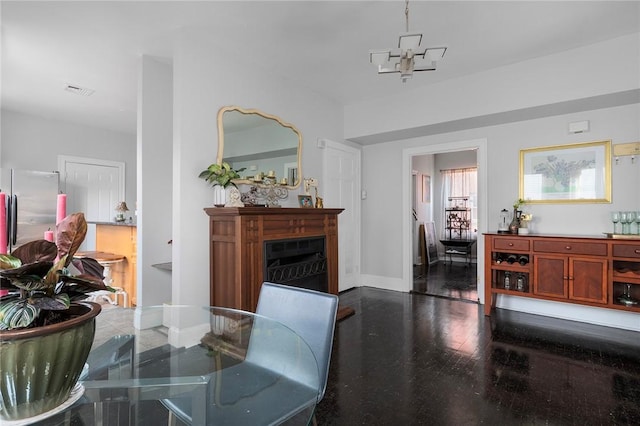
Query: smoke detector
(82, 91)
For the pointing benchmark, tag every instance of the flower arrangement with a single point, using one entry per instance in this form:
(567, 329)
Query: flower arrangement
(43, 278)
(518, 203)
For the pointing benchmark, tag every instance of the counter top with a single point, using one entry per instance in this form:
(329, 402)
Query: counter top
(112, 223)
(603, 236)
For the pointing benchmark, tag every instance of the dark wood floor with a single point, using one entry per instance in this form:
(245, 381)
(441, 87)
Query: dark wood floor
(410, 359)
(455, 280)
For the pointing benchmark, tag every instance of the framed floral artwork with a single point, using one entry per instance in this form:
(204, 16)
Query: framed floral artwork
(576, 173)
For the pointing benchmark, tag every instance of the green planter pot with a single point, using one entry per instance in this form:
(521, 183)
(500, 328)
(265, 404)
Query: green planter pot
(40, 366)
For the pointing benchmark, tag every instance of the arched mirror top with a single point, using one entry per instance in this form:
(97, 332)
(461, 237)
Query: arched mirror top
(261, 143)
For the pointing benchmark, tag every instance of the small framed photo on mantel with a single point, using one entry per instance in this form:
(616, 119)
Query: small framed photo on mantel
(305, 201)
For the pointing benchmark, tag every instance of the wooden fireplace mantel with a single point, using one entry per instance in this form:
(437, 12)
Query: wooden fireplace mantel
(237, 236)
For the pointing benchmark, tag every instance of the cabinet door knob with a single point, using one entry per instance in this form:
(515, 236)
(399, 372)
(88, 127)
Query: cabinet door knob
(511, 245)
(636, 251)
(567, 248)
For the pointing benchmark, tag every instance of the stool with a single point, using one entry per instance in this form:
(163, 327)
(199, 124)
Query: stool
(107, 260)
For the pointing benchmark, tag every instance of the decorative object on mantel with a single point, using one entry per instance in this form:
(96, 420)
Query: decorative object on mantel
(234, 199)
(410, 57)
(271, 191)
(220, 176)
(308, 184)
(121, 208)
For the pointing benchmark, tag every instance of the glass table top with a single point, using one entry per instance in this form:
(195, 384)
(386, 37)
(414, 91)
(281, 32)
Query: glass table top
(205, 365)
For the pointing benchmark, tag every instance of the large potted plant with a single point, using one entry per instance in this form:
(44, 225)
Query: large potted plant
(220, 176)
(46, 332)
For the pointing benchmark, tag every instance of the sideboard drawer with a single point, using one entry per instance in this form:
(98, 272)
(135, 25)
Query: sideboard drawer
(570, 247)
(626, 250)
(511, 244)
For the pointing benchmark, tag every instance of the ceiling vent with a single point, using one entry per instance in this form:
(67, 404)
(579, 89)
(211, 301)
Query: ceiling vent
(83, 91)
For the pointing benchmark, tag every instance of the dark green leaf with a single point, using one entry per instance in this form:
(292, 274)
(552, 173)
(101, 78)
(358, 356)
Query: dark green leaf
(58, 302)
(17, 314)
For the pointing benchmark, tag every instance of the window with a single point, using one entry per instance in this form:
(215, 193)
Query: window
(461, 184)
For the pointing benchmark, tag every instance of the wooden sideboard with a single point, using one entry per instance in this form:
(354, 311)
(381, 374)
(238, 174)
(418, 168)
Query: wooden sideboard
(593, 271)
(120, 239)
(237, 237)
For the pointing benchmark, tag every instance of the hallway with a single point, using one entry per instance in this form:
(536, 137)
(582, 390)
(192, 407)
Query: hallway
(455, 280)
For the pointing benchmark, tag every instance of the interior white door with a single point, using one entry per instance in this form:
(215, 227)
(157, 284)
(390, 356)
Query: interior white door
(93, 187)
(341, 181)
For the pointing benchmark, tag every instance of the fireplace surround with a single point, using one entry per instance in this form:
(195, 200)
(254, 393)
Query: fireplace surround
(246, 242)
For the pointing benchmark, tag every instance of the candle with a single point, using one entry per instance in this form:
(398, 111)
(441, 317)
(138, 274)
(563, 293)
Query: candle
(48, 235)
(61, 211)
(283, 181)
(3, 223)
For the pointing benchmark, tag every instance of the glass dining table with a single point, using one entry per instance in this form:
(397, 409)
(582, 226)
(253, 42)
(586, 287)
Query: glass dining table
(203, 365)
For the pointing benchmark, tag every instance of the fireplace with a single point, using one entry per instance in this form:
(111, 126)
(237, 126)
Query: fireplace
(251, 245)
(298, 262)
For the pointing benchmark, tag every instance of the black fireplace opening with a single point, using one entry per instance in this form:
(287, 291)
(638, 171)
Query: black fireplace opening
(298, 262)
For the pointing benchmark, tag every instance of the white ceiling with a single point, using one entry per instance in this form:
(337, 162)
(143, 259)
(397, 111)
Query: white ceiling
(322, 45)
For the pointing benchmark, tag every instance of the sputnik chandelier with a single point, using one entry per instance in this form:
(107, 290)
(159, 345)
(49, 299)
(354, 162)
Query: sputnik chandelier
(410, 58)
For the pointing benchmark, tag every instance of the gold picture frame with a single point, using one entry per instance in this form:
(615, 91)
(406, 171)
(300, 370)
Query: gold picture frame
(574, 173)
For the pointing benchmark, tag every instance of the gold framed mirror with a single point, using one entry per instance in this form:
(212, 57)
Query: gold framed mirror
(261, 143)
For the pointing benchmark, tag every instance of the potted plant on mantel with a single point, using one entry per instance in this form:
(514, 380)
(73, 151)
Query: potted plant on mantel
(220, 176)
(46, 333)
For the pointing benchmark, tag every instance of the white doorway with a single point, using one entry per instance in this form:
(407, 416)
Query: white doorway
(480, 145)
(93, 187)
(342, 183)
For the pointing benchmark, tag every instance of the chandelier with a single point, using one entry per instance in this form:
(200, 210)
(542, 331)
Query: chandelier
(410, 58)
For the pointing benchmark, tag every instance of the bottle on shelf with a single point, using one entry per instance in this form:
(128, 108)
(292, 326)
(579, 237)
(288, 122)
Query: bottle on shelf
(523, 259)
(507, 281)
(511, 259)
(500, 258)
(521, 282)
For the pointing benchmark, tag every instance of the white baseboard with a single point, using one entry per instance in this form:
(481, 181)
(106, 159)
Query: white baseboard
(569, 311)
(147, 318)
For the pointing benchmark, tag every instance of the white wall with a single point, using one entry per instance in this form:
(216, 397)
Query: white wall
(207, 78)
(530, 105)
(34, 143)
(154, 180)
(608, 67)
(382, 239)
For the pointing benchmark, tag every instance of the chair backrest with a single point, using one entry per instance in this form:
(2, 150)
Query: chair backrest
(311, 314)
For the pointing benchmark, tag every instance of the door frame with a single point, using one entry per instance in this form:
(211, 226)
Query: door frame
(480, 145)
